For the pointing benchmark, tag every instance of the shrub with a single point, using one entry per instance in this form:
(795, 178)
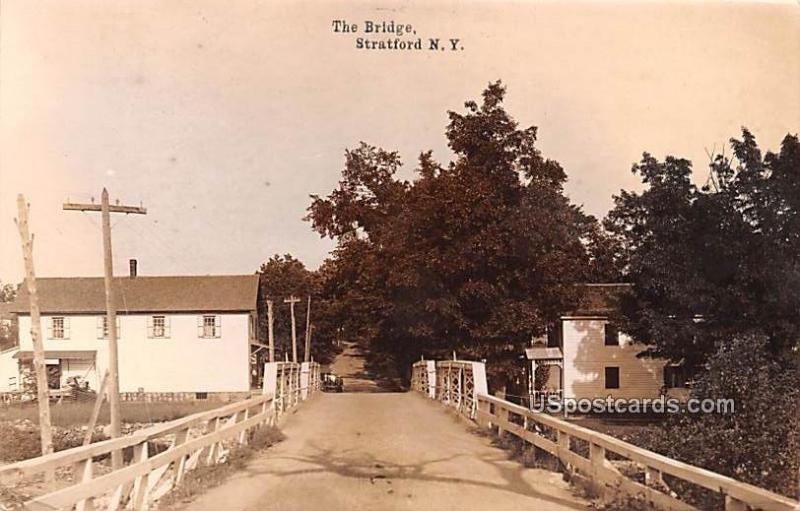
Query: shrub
(758, 443)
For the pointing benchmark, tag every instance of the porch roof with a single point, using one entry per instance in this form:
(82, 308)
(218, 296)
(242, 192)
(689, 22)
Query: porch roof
(60, 354)
(543, 353)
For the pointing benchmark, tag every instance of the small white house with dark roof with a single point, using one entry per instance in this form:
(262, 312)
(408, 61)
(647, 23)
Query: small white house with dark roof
(588, 357)
(183, 334)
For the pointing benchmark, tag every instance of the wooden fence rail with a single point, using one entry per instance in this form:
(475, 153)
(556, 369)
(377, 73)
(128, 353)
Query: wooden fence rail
(157, 458)
(559, 438)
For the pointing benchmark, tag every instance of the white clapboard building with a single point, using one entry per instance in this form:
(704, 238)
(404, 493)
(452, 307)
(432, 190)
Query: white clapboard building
(176, 334)
(588, 357)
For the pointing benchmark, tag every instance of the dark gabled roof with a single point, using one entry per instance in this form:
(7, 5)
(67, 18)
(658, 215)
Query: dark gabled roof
(86, 295)
(599, 299)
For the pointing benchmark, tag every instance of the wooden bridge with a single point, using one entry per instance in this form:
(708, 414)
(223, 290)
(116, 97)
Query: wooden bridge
(428, 448)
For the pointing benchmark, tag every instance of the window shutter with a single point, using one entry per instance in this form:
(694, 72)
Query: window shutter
(100, 322)
(149, 327)
(199, 326)
(119, 328)
(166, 326)
(66, 327)
(50, 329)
(217, 326)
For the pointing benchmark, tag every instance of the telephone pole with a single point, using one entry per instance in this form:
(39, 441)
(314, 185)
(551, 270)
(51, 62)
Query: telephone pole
(271, 330)
(42, 394)
(291, 301)
(307, 352)
(111, 312)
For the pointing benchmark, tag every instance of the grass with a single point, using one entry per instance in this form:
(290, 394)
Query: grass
(68, 418)
(68, 414)
(203, 478)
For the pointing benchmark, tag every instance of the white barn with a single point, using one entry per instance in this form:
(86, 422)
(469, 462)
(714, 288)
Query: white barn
(187, 334)
(589, 358)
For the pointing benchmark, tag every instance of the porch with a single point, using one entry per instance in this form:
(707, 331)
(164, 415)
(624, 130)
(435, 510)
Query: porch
(546, 377)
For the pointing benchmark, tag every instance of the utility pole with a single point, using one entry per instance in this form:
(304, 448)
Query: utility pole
(307, 352)
(311, 329)
(111, 312)
(271, 330)
(42, 394)
(291, 301)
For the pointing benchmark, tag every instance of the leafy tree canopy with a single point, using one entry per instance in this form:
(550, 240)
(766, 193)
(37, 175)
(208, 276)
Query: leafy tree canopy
(8, 292)
(280, 278)
(716, 262)
(473, 256)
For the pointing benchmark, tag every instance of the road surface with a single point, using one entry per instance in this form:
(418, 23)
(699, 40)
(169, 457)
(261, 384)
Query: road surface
(384, 451)
(351, 366)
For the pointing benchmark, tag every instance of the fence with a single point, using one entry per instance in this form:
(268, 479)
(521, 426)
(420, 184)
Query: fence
(156, 458)
(597, 463)
(291, 382)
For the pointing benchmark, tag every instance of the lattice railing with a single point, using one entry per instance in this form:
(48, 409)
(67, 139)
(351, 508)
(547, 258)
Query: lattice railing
(419, 377)
(455, 385)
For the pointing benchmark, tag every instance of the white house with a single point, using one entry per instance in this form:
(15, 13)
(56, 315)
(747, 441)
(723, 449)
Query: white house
(189, 334)
(8, 347)
(589, 358)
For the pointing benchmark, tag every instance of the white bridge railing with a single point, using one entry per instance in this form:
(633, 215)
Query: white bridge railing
(158, 458)
(450, 383)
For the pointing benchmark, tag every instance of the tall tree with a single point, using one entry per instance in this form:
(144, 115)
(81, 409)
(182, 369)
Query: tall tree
(716, 262)
(473, 256)
(280, 278)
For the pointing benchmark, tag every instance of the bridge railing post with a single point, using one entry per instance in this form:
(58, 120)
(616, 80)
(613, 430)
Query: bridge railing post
(305, 380)
(501, 412)
(597, 460)
(482, 413)
(563, 442)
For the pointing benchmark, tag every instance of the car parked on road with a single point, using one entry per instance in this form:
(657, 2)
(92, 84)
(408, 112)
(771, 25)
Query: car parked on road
(332, 383)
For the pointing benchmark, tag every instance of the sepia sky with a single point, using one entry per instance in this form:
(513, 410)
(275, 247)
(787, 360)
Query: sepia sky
(222, 117)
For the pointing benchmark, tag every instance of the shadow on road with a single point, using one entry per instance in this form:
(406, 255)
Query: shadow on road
(365, 466)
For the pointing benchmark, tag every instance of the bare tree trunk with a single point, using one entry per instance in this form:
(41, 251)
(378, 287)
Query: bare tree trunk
(42, 394)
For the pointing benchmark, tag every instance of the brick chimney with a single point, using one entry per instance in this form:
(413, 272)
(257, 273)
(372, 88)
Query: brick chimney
(134, 267)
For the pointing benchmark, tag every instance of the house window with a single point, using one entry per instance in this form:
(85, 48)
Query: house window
(611, 334)
(674, 376)
(210, 327)
(612, 377)
(158, 327)
(59, 328)
(554, 335)
(102, 327)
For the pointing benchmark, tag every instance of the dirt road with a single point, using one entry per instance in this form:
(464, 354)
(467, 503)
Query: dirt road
(351, 366)
(385, 451)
